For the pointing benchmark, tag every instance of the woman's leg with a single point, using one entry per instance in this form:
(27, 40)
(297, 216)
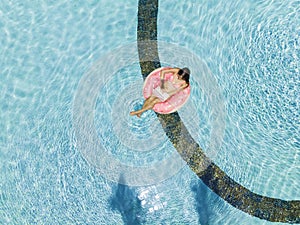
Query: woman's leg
(148, 104)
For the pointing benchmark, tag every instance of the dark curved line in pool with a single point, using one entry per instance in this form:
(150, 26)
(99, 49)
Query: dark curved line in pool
(271, 209)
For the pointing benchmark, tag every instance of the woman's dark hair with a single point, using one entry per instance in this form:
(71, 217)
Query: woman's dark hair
(186, 75)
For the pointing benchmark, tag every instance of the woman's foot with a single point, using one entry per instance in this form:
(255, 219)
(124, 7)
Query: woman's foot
(134, 113)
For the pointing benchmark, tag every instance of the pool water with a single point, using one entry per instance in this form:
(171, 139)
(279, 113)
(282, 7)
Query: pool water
(251, 51)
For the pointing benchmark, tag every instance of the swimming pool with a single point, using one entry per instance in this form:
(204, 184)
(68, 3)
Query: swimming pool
(251, 52)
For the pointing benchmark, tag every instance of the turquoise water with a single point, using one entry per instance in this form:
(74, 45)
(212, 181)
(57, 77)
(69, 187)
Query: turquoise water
(250, 47)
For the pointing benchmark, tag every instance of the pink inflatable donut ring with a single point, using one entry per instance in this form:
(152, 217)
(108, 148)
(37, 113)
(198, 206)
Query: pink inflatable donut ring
(173, 103)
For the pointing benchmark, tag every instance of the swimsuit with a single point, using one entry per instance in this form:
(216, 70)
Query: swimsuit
(158, 92)
(162, 94)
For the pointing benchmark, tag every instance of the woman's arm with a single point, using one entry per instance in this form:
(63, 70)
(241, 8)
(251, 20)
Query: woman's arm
(163, 72)
(171, 93)
(162, 76)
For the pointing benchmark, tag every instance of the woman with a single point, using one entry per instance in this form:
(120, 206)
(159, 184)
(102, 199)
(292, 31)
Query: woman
(179, 81)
